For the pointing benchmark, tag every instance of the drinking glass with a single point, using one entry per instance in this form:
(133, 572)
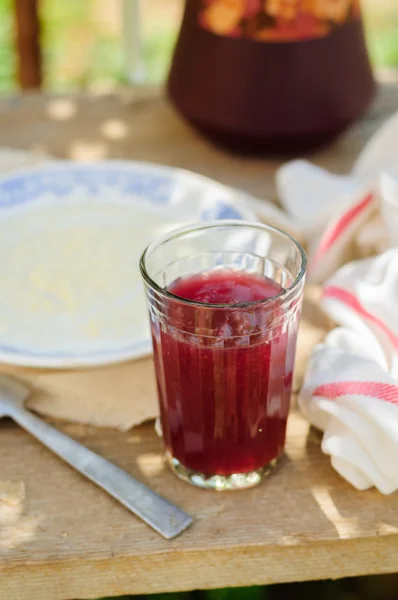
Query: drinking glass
(224, 371)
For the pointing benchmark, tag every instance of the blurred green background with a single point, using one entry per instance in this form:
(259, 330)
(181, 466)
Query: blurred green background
(82, 41)
(363, 588)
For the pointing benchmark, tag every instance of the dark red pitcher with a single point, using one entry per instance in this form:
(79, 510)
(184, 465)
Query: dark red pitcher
(271, 75)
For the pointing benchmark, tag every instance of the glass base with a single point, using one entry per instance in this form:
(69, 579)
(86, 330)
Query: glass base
(236, 481)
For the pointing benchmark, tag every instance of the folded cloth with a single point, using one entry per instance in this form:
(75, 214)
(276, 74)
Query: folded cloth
(351, 386)
(341, 216)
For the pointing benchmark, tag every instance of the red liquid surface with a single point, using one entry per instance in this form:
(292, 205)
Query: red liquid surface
(224, 397)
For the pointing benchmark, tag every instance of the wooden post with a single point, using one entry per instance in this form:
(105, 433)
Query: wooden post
(28, 43)
(132, 41)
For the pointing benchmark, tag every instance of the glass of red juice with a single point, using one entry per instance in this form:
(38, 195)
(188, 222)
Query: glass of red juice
(224, 301)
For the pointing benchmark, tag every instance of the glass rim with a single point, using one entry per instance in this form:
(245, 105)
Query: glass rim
(180, 231)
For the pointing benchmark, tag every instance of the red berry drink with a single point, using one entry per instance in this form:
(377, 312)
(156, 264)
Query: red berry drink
(224, 343)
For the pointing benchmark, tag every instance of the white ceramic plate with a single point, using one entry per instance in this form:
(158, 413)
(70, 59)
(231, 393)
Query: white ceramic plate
(70, 240)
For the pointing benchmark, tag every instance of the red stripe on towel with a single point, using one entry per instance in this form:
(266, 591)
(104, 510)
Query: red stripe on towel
(349, 299)
(382, 391)
(335, 230)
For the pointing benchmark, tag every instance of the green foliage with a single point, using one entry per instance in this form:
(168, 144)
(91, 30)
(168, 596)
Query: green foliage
(381, 20)
(244, 593)
(7, 54)
(174, 596)
(157, 53)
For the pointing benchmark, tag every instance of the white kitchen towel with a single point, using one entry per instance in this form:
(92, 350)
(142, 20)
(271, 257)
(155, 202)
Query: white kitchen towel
(351, 386)
(342, 216)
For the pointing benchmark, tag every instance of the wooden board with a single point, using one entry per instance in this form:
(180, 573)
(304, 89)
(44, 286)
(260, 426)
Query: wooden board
(71, 540)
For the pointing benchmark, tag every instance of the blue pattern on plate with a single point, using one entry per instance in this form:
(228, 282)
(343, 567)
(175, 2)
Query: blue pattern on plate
(221, 210)
(20, 189)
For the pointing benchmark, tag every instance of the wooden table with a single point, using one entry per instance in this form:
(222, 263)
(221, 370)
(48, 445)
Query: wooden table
(72, 540)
